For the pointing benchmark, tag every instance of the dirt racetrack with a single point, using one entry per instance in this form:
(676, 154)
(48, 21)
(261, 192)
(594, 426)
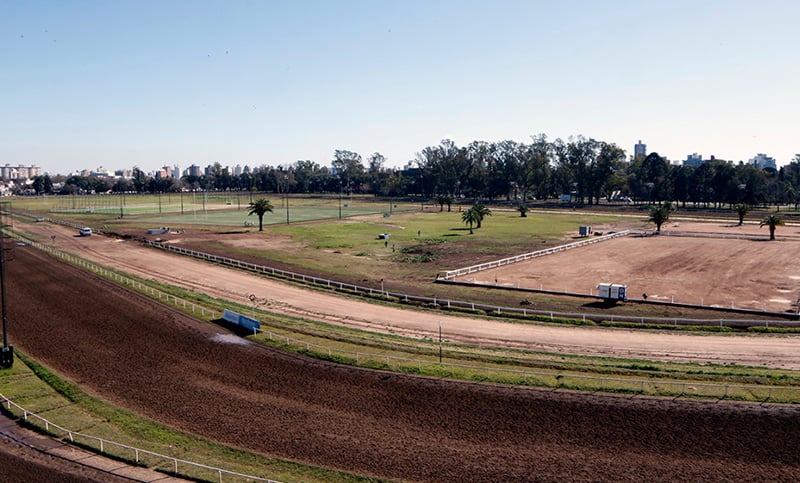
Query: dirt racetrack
(770, 350)
(702, 269)
(197, 377)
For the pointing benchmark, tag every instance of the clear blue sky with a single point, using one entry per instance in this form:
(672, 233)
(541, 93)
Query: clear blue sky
(149, 83)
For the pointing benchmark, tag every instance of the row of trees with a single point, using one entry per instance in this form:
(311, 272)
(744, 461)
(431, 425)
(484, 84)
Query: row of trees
(586, 169)
(659, 215)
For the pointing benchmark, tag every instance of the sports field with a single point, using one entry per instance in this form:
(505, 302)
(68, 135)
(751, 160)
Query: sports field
(223, 209)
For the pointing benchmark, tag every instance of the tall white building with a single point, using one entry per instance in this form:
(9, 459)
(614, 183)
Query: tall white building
(762, 161)
(639, 150)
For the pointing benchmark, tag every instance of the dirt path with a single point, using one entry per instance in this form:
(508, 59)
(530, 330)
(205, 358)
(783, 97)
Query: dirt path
(194, 376)
(762, 350)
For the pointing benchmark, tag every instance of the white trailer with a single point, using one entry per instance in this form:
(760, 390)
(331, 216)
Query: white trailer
(612, 291)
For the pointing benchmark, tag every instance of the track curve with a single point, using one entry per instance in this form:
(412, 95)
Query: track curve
(186, 373)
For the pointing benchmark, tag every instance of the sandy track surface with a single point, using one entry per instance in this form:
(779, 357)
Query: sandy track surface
(192, 375)
(701, 269)
(764, 350)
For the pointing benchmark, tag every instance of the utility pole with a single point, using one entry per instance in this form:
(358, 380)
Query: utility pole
(7, 359)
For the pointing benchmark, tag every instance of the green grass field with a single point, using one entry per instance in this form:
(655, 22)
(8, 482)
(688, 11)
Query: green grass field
(202, 208)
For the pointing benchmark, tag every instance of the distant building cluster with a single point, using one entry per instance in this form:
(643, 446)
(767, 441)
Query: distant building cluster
(694, 160)
(19, 171)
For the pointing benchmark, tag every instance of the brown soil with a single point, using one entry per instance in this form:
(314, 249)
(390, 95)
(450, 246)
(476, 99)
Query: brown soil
(188, 374)
(23, 462)
(743, 273)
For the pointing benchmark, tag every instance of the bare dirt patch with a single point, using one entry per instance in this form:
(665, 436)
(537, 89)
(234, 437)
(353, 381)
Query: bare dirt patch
(723, 272)
(168, 366)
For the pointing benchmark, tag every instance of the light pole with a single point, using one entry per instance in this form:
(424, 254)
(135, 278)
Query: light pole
(340, 199)
(286, 178)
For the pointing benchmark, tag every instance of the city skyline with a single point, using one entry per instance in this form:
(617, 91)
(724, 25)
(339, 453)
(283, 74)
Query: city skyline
(89, 84)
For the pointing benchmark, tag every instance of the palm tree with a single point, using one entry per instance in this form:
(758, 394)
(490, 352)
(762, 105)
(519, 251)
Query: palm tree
(772, 221)
(470, 217)
(481, 211)
(741, 210)
(660, 215)
(259, 207)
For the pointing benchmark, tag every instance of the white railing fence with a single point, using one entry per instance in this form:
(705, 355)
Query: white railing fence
(472, 306)
(176, 466)
(451, 274)
(121, 279)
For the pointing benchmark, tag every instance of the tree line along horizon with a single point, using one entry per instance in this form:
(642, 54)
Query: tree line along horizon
(586, 169)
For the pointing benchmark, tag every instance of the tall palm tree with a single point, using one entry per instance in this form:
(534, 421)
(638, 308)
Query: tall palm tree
(470, 217)
(772, 221)
(259, 207)
(482, 211)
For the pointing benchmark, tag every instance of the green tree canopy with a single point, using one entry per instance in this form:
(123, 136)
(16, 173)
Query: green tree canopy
(660, 215)
(470, 217)
(741, 210)
(259, 207)
(481, 212)
(772, 221)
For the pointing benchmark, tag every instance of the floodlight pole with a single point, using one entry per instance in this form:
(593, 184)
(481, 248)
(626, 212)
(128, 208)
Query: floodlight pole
(287, 198)
(340, 199)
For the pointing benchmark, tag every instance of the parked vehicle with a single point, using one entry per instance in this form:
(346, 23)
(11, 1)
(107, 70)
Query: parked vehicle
(612, 291)
(86, 231)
